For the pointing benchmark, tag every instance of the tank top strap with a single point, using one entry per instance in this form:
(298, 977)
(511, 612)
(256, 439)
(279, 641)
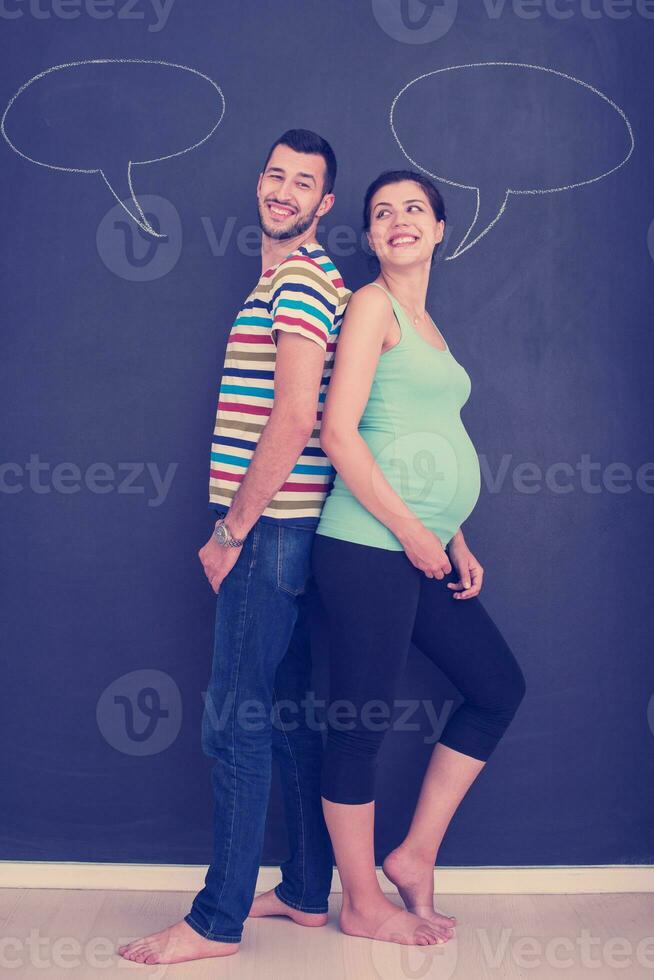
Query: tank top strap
(383, 288)
(397, 308)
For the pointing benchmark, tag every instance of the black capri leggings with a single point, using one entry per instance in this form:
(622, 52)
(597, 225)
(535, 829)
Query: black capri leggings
(377, 603)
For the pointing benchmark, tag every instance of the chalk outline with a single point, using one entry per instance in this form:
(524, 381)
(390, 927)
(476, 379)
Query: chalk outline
(471, 187)
(144, 223)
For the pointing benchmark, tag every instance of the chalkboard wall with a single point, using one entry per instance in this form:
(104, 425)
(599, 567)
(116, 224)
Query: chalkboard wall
(114, 323)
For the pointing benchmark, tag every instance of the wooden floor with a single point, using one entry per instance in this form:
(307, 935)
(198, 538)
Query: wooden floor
(57, 934)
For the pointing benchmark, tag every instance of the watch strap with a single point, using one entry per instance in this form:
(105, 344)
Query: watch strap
(230, 539)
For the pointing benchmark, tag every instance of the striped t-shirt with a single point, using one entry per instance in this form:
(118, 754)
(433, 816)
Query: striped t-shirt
(304, 294)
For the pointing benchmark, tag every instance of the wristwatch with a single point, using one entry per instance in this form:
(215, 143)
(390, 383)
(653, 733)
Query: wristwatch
(224, 536)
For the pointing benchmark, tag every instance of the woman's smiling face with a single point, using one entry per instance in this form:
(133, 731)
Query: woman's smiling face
(403, 227)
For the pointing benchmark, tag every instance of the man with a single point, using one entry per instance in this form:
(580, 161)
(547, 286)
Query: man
(268, 481)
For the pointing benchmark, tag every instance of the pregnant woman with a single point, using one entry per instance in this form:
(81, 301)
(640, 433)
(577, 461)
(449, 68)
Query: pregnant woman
(407, 478)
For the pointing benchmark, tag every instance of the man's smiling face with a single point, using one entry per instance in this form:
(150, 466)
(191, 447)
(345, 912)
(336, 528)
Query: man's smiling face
(290, 191)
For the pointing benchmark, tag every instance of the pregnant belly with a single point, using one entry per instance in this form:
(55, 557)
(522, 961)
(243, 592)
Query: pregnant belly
(436, 473)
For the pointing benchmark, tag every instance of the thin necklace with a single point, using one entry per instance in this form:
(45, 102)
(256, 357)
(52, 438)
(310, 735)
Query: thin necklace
(415, 318)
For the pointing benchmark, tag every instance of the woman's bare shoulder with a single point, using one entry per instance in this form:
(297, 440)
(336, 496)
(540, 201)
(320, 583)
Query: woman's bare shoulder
(370, 298)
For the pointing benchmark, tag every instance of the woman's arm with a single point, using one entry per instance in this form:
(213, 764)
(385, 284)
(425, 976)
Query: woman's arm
(368, 320)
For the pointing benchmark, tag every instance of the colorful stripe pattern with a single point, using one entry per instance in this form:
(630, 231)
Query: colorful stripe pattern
(303, 294)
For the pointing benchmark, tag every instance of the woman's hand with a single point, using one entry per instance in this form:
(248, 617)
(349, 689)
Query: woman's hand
(424, 549)
(469, 570)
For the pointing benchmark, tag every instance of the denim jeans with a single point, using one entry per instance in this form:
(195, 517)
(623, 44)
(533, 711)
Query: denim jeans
(260, 675)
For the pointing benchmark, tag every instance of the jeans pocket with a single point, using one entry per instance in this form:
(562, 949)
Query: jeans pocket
(293, 559)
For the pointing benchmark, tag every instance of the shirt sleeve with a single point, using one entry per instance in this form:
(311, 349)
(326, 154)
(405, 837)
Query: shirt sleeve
(303, 300)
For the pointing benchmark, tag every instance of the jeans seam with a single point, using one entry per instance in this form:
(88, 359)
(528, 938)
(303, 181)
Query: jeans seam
(300, 908)
(255, 542)
(280, 561)
(294, 593)
(205, 932)
(299, 796)
(233, 740)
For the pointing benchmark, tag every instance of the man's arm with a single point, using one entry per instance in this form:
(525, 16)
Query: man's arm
(298, 374)
(302, 309)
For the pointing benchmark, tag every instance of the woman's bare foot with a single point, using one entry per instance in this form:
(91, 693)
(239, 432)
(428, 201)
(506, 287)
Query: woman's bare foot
(269, 904)
(382, 920)
(176, 944)
(414, 879)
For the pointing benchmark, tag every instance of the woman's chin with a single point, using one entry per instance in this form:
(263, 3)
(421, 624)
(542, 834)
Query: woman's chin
(403, 260)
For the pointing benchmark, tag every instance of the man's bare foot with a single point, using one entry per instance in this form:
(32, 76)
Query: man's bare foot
(414, 879)
(269, 904)
(384, 921)
(176, 944)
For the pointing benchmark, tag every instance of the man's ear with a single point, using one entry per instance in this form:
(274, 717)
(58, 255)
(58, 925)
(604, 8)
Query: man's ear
(326, 204)
(259, 183)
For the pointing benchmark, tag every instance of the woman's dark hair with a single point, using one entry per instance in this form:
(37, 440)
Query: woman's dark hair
(306, 141)
(432, 194)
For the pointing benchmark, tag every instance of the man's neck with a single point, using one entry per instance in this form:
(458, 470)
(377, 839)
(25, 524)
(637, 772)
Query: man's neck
(273, 250)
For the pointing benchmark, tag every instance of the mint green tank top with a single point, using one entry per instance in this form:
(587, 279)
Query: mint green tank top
(412, 425)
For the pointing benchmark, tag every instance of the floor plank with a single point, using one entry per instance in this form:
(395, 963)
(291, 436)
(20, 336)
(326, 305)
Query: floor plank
(72, 934)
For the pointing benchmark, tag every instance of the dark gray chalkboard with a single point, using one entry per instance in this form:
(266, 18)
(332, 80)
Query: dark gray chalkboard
(113, 341)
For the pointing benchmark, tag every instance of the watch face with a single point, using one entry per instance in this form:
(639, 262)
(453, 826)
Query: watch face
(221, 533)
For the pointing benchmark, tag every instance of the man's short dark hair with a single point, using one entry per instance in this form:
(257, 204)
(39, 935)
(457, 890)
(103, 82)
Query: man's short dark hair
(306, 141)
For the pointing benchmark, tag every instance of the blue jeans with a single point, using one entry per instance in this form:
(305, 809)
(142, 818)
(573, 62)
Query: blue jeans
(260, 676)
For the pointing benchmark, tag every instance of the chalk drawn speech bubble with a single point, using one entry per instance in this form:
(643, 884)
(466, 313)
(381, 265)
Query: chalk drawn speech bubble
(81, 110)
(506, 110)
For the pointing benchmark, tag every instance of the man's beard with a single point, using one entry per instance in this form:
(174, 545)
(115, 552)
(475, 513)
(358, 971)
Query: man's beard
(297, 228)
